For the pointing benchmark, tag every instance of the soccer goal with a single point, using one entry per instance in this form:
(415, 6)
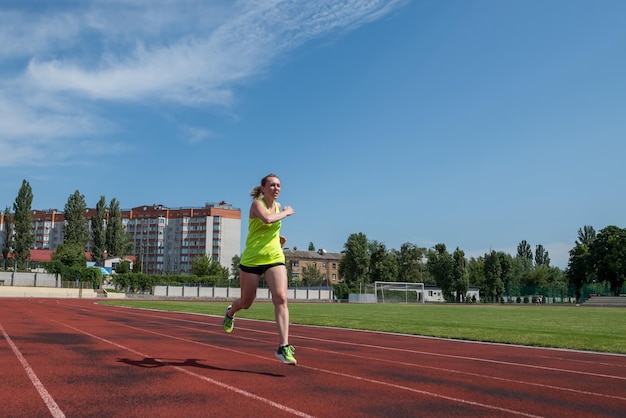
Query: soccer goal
(399, 292)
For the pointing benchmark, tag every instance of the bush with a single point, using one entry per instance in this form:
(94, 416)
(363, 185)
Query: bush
(92, 275)
(341, 291)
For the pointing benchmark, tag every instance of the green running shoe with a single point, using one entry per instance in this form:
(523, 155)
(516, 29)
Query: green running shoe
(285, 354)
(228, 323)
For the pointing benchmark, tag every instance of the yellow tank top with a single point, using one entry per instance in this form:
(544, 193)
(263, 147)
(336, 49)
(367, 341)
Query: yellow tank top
(263, 243)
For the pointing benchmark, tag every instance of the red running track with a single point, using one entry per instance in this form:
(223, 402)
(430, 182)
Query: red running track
(75, 358)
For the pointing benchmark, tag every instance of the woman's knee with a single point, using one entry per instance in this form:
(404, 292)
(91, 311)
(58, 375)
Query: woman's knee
(279, 299)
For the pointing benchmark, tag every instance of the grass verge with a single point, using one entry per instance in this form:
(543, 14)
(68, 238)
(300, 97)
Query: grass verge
(571, 327)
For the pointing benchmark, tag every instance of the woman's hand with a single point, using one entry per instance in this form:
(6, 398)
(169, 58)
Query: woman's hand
(288, 210)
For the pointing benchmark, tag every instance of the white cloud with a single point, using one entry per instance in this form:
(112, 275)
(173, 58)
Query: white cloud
(197, 64)
(192, 135)
(25, 35)
(60, 62)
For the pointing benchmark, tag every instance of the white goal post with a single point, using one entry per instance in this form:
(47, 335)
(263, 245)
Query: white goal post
(399, 292)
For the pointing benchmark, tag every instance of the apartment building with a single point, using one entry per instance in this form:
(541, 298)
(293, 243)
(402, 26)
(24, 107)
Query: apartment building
(48, 228)
(166, 240)
(327, 263)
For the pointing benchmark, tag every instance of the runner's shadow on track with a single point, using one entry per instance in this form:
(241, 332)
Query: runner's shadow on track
(152, 363)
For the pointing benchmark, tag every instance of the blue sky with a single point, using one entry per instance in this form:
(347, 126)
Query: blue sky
(473, 123)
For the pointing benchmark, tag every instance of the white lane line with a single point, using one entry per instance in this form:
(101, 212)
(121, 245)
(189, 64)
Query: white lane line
(376, 347)
(365, 379)
(477, 359)
(369, 358)
(45, 395)
(464, 373)
(410, 351)
(423, 392)
(276, 405)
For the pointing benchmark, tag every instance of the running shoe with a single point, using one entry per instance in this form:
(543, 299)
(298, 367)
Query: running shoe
(228, 323)
(285, 354)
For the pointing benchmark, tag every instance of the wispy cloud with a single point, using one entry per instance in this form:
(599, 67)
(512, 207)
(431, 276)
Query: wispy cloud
(24, 35)
(78, 56)
(193, 135)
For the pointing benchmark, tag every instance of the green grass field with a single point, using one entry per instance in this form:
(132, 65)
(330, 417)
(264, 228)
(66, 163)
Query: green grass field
(571, 327)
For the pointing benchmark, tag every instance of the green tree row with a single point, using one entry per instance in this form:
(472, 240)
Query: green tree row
(68, 261)
(595, 258)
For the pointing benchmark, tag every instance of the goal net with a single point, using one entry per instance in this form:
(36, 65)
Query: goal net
(399, 292)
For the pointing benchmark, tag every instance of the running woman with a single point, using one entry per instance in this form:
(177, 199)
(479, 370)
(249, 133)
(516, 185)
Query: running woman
(263, 256)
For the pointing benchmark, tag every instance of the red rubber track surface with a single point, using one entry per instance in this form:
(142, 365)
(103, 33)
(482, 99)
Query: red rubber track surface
(76, 358)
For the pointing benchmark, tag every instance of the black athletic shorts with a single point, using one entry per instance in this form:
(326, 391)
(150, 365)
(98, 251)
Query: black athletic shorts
(259, 270)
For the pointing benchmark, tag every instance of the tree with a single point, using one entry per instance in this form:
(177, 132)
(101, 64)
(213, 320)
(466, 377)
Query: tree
(608, 255)
(383, 265)
(23, 237)
(138, 265)
(524, 251)
(311, 275)
(476, 271)
(586, 235)
(541, 256)
(98, 228)
(311, 246)
(71, 254)
(234, 269)
(409, 263)
(523, 265)
(354, 265)
(200, 265)
(556, 277)
(203, 266)
(579, 268)
(493, 284)
(440, 266)
(7, 242)
(75, 228)
(540, 275)
(506, 267)
(460, 278)
(69, 262)
(117, 240)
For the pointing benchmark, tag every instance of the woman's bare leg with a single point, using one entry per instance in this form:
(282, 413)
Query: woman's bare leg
(248, 283)
(276, 278)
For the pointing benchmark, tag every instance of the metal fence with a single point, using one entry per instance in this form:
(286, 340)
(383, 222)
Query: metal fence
(555, 294)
